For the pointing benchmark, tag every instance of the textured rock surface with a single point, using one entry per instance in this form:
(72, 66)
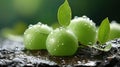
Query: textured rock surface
(12, 53)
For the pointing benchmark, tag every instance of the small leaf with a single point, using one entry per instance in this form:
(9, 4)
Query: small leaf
(64, 14)
(104, 31)
(108, 47)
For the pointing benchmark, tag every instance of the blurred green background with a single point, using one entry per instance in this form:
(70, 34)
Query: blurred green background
(16, 15)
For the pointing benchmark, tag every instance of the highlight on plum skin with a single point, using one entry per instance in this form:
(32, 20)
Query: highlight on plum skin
(84, 29)
(62, 42)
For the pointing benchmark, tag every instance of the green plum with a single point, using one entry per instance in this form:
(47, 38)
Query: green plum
(114, 30)
(35, 36)
(61, 42)
(84, 29)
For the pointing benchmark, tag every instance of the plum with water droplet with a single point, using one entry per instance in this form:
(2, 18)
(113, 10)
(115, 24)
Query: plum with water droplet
(61, 42)
(84, 29)
(35, 36)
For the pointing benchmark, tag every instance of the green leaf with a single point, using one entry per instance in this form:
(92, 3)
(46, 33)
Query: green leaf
(104, 31)
(64, 14)
(107, 48)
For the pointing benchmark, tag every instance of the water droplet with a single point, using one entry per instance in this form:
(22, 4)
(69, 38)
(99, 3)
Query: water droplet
(52, 40)
(51, 32)
(45, 26)
(39, 23)
(69, 31)
(61, 28)
(89, 27)
(30, 25)
(76, 17)
(84, 16)
(24, 33)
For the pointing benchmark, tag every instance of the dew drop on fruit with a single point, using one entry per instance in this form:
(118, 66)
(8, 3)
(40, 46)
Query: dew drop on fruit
(52, 40)
(88, 26)
(39, 23)
(61, 28)
(51, 33)
(30, 25)
(45, 26)
(76, 17)
(86, 18)
(24, 33)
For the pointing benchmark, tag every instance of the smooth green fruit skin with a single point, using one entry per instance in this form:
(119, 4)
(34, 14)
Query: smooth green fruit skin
(61, 42)
(84, 29)
(35, 37)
